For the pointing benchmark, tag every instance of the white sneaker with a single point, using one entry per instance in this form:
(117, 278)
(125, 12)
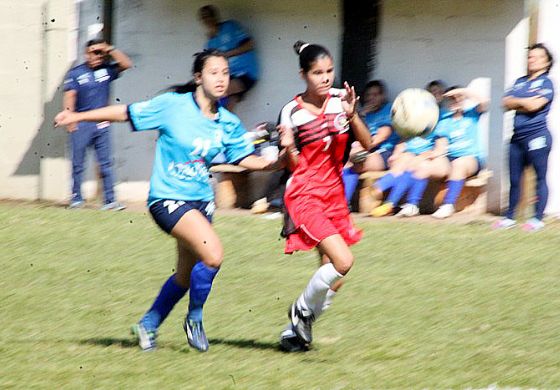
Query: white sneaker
(504, 224)
(408, 210)
(444, 211)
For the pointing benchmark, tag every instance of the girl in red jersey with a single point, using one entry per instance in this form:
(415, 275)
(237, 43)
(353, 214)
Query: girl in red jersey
(317, 128)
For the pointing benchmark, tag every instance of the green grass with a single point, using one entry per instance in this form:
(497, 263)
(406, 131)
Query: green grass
(425, 306)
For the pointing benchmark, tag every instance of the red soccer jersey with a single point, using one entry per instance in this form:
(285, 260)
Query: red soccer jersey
(323, 142)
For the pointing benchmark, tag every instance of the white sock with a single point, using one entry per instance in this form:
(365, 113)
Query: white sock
(315, 294)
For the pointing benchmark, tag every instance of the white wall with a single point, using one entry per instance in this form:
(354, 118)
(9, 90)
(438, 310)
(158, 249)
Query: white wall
(549, 34)
(455, 41)
(34, 39)
(162, 36)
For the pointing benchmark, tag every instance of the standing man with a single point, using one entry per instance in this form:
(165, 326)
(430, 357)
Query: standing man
(86, 87)
(238, 46)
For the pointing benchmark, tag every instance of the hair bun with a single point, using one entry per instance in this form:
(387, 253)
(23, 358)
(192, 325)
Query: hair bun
(299, 46)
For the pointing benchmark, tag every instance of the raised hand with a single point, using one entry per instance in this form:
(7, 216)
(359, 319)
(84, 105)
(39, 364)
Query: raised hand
(350, 100)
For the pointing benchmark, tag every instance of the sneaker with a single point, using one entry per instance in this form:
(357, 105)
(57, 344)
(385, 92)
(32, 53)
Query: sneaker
(383, 210)
(146, 338)
(302, 322)
(260, 206)
(533, 225)
(444, 211)
(113, 206)
(503, 224)
(289, 342)
(195, 335)
(76, 204)
(408, 210)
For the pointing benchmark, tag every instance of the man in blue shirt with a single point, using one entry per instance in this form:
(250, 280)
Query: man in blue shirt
(230, 38)
(86, 87)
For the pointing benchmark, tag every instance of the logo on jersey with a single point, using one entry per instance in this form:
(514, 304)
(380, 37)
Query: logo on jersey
(210, 208)
(341, 123)
(101, 75)
(190, 170)
(83, 78)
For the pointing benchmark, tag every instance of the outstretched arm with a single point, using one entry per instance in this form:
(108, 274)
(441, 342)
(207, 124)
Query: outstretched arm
(115, 113)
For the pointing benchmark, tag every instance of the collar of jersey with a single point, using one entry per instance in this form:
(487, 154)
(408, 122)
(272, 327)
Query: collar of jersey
(218, 116)
(299, 102)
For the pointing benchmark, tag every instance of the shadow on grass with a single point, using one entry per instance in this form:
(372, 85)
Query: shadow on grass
(110, 341)
(248, 344)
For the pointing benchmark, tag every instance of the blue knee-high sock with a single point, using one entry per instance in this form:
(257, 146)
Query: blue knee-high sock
(402, 185)
(169, 295)
(202, 277)
(454, 188)
(386, 182)
(417, 188)
(350, 179)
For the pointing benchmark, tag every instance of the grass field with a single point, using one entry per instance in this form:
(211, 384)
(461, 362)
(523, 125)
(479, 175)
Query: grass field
(426, 306)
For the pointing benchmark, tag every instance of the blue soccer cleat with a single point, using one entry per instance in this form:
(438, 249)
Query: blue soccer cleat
(146, 338)
(195, 335)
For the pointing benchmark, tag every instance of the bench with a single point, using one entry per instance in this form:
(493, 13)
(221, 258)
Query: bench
(472, 198)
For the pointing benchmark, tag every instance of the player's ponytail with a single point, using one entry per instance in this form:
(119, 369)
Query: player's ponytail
(309, 53)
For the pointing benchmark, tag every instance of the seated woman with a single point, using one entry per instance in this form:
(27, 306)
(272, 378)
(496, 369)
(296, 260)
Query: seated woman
(376, 112)
(457, 154)
(407, 154)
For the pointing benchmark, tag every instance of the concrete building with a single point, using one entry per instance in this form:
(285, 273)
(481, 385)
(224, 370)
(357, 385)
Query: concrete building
(415, 41)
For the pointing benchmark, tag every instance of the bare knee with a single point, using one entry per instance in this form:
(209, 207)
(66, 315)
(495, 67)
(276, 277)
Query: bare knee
(343, 264)
(214, 258)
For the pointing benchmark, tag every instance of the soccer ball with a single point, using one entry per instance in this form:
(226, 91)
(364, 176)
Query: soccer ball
(414, 113)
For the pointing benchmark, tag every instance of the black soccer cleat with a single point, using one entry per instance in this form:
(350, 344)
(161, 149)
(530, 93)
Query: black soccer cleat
(290, 342)
(302, 322)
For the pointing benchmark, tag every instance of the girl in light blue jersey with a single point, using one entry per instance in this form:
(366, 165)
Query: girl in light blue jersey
(193, 128)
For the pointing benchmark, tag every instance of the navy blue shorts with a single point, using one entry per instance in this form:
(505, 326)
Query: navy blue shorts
(167, 212)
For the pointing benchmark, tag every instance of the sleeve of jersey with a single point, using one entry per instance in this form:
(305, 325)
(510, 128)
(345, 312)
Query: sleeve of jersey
(148, 115)
(547, 90)
(510, 91)
(237, 146)
(70, 82)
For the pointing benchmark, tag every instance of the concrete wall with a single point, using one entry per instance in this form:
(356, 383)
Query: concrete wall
(161, 38)
(35, 40)
(456, 41)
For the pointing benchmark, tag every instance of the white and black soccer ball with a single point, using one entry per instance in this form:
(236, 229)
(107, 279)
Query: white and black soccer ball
(414, 113)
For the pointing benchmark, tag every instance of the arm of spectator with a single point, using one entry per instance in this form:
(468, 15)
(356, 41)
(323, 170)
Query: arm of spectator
(440, 148)
(383, 133)
(115, 113)
(397, 152)
(122, 60)
(243, 48)
(529, 104)
(69, 104)
(481, 102)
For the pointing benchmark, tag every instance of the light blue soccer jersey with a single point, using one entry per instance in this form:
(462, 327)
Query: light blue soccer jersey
(187, 143)
(230, 36)
(419, 145)
(462, 134)
(382, 117)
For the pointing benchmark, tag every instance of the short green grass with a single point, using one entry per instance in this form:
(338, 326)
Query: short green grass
(426, 306)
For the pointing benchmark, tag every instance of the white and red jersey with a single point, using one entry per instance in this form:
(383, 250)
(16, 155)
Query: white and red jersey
(323, 142)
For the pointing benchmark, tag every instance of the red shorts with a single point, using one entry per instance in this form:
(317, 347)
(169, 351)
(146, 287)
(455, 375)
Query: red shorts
(311, 225)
